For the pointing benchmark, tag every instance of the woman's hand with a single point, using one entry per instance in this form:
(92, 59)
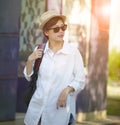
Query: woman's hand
(35, 55)
(62, 99)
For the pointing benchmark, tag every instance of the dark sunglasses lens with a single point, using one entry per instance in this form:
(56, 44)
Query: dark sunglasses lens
(56, 29)
(64, 27)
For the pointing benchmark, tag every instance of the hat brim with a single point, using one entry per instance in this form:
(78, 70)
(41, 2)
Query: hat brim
(43, 23)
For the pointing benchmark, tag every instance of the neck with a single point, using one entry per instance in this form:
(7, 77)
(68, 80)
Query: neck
(55, 46)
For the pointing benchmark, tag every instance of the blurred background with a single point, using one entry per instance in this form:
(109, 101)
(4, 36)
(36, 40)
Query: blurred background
(93, 27)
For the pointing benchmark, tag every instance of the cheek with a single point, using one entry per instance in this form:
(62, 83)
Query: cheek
(51, 36)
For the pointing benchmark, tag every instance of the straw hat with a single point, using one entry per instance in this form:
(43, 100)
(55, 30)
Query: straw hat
(46, 16)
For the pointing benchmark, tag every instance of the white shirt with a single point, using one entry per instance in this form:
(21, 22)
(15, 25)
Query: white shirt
(56, 72)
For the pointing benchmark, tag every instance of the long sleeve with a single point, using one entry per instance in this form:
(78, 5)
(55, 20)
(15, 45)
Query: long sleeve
(78, 81)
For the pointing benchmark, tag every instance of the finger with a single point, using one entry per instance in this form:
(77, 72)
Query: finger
(59, 104)
(40, 50)
(62, 104)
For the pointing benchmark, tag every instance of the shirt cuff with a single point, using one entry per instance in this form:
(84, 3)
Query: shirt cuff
(78, 86)
(28, 77)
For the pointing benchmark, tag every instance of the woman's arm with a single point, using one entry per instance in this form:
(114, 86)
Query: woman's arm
(28, 70)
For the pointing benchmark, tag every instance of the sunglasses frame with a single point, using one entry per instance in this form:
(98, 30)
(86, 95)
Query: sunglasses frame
(57, 29)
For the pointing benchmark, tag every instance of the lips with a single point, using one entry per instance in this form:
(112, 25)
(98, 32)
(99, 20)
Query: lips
(60, 36)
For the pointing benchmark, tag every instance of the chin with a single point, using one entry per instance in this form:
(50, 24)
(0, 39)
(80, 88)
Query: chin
(59, 40)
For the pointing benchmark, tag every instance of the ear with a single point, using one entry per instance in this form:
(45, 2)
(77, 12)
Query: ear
(46, 33)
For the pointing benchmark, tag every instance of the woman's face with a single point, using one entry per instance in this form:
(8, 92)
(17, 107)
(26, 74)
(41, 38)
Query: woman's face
(55, 33)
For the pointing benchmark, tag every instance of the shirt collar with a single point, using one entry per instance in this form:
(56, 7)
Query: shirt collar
(65, 50)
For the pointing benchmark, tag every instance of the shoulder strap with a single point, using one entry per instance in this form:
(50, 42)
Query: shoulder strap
(39, 60)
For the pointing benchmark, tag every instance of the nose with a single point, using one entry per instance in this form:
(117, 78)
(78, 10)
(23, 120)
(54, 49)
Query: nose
(61, 29)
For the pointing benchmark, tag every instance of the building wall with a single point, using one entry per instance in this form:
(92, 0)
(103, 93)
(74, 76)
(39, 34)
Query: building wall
(9, 47)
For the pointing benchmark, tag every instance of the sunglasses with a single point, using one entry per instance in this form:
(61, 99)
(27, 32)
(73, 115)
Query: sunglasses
(57, 29)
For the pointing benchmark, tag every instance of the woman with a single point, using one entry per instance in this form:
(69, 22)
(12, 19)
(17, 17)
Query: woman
(60, 76)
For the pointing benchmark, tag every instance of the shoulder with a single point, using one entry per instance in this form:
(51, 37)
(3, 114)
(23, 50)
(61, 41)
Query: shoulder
(70, 48)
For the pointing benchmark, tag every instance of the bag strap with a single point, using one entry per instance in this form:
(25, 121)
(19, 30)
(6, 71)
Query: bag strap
(39, 60)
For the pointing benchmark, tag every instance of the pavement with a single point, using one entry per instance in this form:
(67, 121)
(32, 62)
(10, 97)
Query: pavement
(111, 120)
